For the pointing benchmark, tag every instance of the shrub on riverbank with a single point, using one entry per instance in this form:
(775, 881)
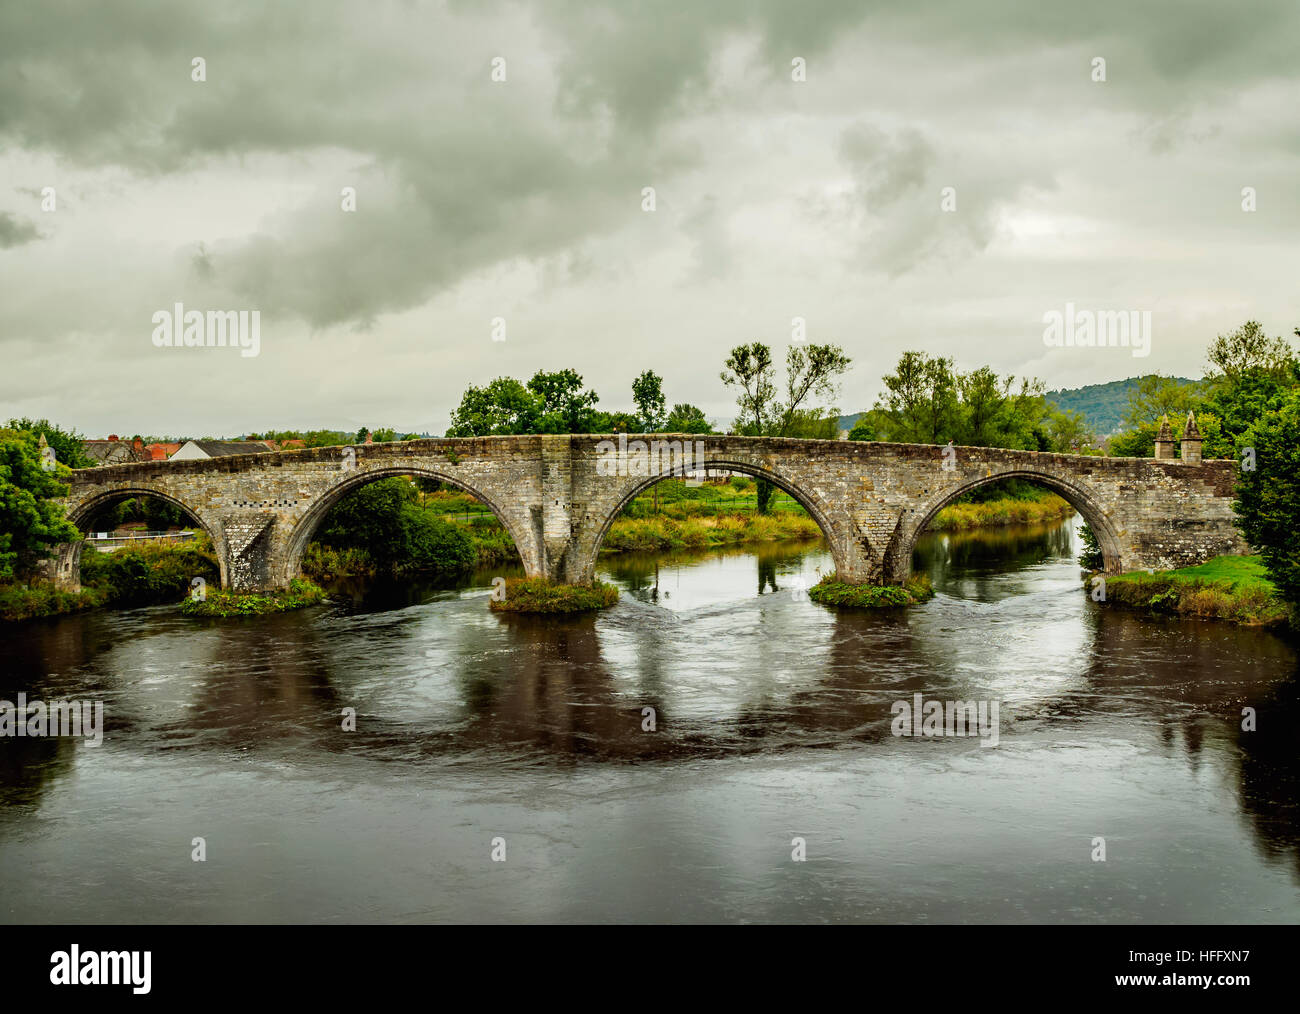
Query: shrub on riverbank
(830, 592)
(131, 576)
(31, 602)
(1233, 588)
(223, 603)
(537, 595)
(151, 574)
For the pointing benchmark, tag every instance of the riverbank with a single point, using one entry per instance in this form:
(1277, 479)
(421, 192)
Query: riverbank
(1231, 588)
(132, 576)
(1023, 510)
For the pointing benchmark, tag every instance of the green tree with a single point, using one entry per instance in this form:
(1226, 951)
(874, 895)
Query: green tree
(685, 418)
(615, 422)
(370, 519)
(809, 373)
(504, 406)
(874, 424)
(1153, 397)
(565, 406)
(1268, 497)
(921, 399)
(68, 445)
(31, 523)
(749, 367)
(1068, 432)
(648, 396)
(1249, 376)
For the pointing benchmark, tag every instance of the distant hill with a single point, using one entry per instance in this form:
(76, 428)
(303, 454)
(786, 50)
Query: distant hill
(1104, 405)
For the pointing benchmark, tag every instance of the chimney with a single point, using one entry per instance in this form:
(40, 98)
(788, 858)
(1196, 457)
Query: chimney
(113, 437)
(1164, 440)
(1191, 448)
(369, 440)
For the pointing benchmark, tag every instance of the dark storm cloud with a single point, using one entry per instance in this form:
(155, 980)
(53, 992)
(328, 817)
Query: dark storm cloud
(15, 231)
(477, 198)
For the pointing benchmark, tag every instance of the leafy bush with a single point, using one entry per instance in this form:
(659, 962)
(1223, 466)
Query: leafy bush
(537, 595)
(223, 603)
(830, 592)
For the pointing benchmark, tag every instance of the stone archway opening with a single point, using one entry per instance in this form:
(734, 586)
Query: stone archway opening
(133, 518)
(691, 500)
(990, 506)
(403, 520)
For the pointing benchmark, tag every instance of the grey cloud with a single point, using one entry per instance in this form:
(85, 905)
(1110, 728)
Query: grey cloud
(16, 231)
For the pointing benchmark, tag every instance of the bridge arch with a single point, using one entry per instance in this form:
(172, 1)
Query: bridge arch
(83, 512)
(581, 568)
(306, 526)
(898, 559)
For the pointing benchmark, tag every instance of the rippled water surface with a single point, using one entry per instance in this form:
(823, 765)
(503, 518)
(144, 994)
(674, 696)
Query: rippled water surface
(773, 720)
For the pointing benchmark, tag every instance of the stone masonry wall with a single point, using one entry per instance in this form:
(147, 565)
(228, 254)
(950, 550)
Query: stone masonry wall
(872, 500)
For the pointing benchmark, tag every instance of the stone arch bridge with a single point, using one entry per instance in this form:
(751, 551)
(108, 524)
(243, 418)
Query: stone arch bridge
(557, 495)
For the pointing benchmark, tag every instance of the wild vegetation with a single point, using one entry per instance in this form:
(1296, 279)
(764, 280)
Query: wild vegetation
(830, 592)
(1235, 588)
(224, 604)
(537, 595)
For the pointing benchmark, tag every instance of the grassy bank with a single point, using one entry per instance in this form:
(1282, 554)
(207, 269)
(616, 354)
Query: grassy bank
(830, 592)
(537, 595)
(223, 604)
(662, 533)
(1233, 588)
(1044, 506)
(133, 576)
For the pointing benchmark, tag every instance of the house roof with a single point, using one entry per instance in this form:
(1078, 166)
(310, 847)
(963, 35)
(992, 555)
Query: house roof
(225, 448)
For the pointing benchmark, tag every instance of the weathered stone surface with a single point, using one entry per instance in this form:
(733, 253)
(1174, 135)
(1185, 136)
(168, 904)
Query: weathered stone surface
(871, 499)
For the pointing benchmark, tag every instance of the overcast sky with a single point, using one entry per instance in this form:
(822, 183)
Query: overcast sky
(523, 199)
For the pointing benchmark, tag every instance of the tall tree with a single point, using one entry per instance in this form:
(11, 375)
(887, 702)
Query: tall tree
(565, 406)
(1249, 377)
(1268, 497)
(685, 418)
(811, 372)
(921, 398)
(808, 374)
(648, 395)
(504, 406)
(67, 443)
(31, 521)
(749, 367)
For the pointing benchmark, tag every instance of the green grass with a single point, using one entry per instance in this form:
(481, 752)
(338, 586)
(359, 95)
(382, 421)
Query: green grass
(149, 574)
(537, 595)
(223, 603)
(830, 592)
(995, 513)
(1233, 588)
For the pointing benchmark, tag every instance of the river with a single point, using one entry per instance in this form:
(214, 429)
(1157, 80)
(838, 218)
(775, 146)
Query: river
(482, 737)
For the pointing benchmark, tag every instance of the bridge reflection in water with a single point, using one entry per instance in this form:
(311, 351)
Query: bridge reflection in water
(772, 718)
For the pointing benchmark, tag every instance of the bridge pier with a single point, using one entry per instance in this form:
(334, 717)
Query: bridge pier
(63, 567)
